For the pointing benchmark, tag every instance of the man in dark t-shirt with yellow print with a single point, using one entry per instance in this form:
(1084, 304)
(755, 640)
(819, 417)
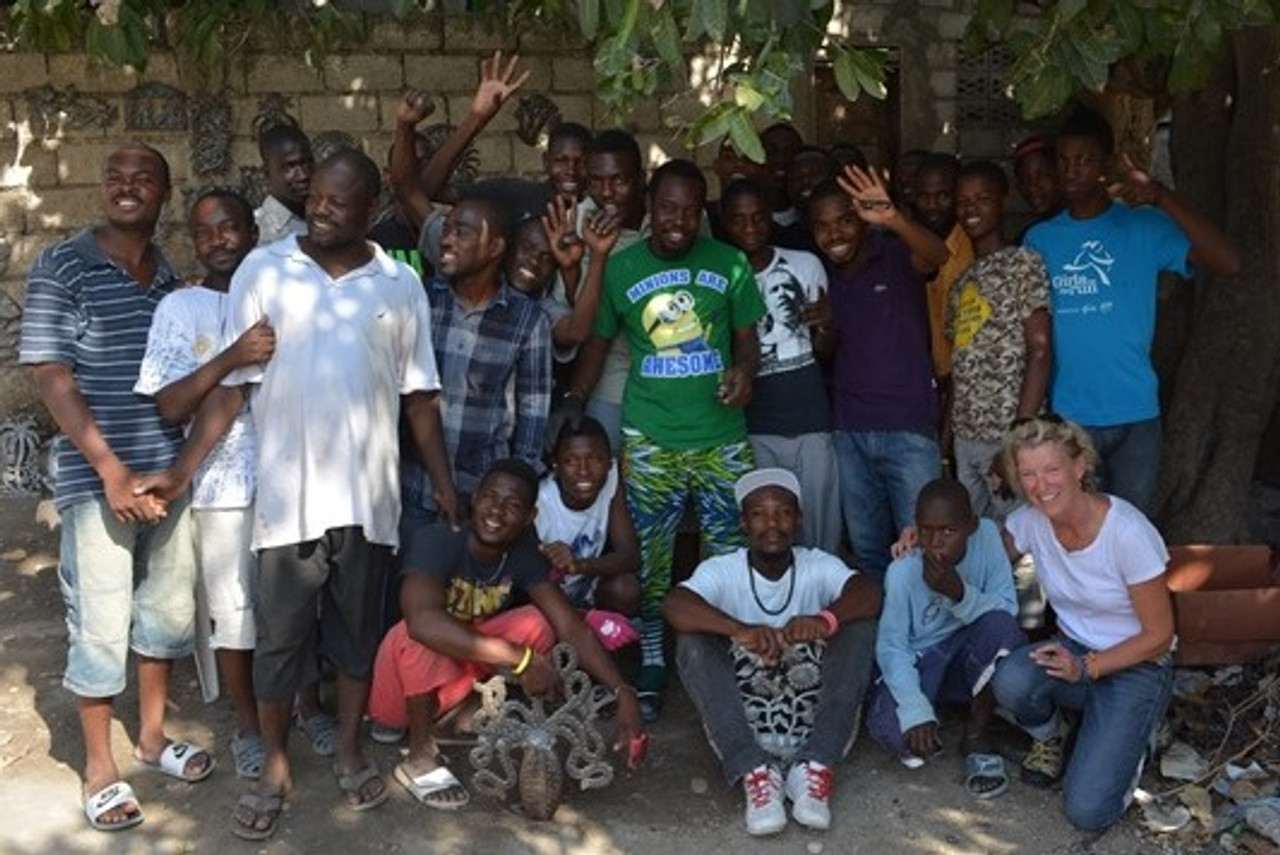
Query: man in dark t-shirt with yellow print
(459, 626)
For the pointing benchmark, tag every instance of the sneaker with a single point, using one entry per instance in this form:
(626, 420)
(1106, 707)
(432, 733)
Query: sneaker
(1042, 767)
(809, 788)
(766, 808)
(386, 735)
(649, 685)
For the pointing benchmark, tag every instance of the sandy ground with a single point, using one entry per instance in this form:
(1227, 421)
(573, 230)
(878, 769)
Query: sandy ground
(677, 803)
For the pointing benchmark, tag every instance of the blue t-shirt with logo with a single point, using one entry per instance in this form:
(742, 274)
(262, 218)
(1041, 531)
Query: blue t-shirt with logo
(1102, 273)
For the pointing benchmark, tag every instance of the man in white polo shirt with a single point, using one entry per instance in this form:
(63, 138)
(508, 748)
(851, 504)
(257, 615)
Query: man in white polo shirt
(353, 345)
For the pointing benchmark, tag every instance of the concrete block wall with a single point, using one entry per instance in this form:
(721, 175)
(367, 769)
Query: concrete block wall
(49, 171)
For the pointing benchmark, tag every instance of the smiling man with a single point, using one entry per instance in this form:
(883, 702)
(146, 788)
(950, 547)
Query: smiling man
(687, 306)
(795, 620)
(885, 398)
(353, 346)
(127, 566)
(493, 350)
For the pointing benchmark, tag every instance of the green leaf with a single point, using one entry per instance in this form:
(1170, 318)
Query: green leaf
(846, 75)
(666, 38)
(748, 97)
(744, 136)
(589, 18)
(1065, 10)
(714, 16)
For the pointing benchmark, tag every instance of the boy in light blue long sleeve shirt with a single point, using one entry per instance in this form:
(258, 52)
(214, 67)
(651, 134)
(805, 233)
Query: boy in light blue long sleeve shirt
(950, 613)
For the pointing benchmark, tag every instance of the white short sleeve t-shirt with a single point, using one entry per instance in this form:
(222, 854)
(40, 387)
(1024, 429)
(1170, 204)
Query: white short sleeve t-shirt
(186, 332)
(326, 407)
(1089, 588)
(584, 531)
(726, 582)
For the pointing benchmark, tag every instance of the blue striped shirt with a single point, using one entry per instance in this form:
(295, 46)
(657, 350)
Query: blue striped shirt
(495, 386)
(85, 312)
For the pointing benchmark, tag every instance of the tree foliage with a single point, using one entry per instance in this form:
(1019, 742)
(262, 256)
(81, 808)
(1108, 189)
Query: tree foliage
(1074, 45)
(716, 63)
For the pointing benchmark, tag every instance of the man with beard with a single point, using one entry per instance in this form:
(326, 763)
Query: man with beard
(353, 346)
(794, 619)
(287, 160)
(688, 307)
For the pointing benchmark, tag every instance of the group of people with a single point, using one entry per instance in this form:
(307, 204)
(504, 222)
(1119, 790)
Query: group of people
(413, 434)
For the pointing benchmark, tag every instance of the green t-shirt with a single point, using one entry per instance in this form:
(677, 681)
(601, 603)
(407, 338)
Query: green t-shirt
(679, 316)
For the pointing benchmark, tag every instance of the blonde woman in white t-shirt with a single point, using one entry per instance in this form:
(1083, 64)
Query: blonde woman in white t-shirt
(1102, 566)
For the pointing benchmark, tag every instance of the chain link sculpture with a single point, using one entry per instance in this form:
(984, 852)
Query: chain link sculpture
(506, 726)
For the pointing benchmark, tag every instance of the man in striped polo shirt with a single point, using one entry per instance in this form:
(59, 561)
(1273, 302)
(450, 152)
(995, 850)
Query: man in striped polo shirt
(88, 309)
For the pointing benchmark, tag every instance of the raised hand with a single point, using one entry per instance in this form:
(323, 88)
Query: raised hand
(1135, 186)
(601, 233)
(558, 225)
(870, 196)
(415, 106)
(497, 84)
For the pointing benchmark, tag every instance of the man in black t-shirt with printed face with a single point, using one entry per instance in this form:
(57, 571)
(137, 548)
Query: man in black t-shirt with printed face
(459, 626)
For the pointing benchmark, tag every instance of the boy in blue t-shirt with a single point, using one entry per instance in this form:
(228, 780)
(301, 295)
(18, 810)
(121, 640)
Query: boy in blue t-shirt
(1103, 259)
(950, 613)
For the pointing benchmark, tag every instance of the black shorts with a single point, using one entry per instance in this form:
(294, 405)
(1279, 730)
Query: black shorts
(321, 596)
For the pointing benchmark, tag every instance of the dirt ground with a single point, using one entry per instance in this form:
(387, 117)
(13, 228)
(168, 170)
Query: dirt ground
(676, 803)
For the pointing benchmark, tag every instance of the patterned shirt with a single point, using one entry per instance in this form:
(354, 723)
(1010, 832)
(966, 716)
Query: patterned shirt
(85, 312)
(186, 332)
(988, 306)
(495, 371)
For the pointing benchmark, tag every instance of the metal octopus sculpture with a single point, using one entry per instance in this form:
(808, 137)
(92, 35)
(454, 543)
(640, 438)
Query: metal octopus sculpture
(506, 726)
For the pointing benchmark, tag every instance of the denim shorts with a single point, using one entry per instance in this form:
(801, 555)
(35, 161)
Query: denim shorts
(126, 586)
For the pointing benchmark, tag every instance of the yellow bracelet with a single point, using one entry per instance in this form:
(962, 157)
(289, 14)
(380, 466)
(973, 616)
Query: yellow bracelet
(1091, 664)
(524, 662)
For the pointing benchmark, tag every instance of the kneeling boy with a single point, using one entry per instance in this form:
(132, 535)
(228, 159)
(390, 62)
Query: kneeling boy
(950, 613)
(775, 647)
(459, 627)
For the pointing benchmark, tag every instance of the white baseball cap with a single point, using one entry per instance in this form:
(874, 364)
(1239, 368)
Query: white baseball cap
(758, 478)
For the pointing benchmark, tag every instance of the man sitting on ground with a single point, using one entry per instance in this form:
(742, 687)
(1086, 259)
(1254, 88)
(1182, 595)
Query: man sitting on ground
(950, 613)
(459, 626)
(793, 618)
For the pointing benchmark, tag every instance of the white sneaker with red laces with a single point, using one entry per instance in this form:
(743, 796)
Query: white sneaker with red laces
(766, 807)
(809, 788)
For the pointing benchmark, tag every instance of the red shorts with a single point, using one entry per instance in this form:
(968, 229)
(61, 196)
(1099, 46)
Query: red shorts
(404, 668)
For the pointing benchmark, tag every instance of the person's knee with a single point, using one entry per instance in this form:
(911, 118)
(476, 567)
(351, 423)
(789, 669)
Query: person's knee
(695, 652)
(1088, 811)
(1015, 678)
(620, 594)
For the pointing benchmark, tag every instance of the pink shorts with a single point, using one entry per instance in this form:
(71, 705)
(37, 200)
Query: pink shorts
(404, 668)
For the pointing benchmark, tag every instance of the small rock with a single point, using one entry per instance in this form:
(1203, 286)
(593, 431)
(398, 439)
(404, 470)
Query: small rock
(1199, 802)
(1265, 820)
(813, 847)
(698, 785)
(1183, 763)
(1165, 818)
(14, 555)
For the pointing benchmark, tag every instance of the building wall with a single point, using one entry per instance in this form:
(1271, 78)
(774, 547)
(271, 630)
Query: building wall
(61, 114)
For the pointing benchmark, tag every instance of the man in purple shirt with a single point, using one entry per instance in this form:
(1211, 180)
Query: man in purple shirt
(885, 399)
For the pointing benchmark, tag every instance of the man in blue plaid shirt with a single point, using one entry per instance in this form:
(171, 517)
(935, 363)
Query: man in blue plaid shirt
(493, 351)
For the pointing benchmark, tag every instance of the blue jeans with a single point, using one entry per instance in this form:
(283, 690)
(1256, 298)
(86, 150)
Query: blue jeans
(1120, 713)
(707, 672)
(881, 473)
(1129, 460)
(953, 671)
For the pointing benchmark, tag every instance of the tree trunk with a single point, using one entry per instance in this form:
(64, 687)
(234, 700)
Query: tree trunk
(1229, 378)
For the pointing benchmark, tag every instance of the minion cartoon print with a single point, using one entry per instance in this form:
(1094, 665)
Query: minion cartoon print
(680, 343)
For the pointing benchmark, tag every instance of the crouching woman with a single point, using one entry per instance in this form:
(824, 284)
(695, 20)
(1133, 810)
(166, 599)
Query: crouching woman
(1102, 566)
